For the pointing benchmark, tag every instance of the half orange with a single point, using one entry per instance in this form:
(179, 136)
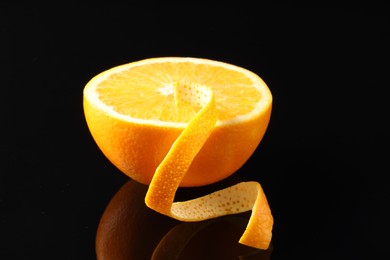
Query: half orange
(132, 115)
(175, 121)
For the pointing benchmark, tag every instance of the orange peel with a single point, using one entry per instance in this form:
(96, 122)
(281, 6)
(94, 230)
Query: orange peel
(238, 198)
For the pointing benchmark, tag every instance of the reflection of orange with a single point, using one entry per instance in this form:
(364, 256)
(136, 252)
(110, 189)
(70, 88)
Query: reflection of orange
(130, 230)
(135, 112)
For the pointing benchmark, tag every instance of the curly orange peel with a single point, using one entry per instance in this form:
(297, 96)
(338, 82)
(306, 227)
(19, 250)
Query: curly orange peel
(238, 198)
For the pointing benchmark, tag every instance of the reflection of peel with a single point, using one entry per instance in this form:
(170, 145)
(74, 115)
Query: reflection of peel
(214, 238)
(130, 230)
(169, 174)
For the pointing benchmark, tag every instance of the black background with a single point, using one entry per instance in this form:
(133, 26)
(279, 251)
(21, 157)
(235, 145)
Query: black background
(322, 162)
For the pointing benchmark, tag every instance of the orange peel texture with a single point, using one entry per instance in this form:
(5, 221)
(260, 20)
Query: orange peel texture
(242, 197)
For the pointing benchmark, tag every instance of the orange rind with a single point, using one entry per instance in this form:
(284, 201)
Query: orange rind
(236, 199)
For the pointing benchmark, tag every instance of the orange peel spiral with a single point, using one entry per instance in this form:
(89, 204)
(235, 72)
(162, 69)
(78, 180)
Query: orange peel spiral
(238, 198)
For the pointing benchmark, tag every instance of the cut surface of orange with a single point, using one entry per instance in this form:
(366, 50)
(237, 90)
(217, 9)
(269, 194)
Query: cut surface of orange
(171, 122)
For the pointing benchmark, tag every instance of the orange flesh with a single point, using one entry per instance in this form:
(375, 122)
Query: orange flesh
(230, 88)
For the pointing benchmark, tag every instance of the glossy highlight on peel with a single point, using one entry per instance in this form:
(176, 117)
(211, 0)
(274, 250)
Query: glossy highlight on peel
(171, 122)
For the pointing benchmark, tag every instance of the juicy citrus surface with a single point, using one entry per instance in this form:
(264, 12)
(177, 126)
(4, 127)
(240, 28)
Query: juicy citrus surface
(146, 91)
